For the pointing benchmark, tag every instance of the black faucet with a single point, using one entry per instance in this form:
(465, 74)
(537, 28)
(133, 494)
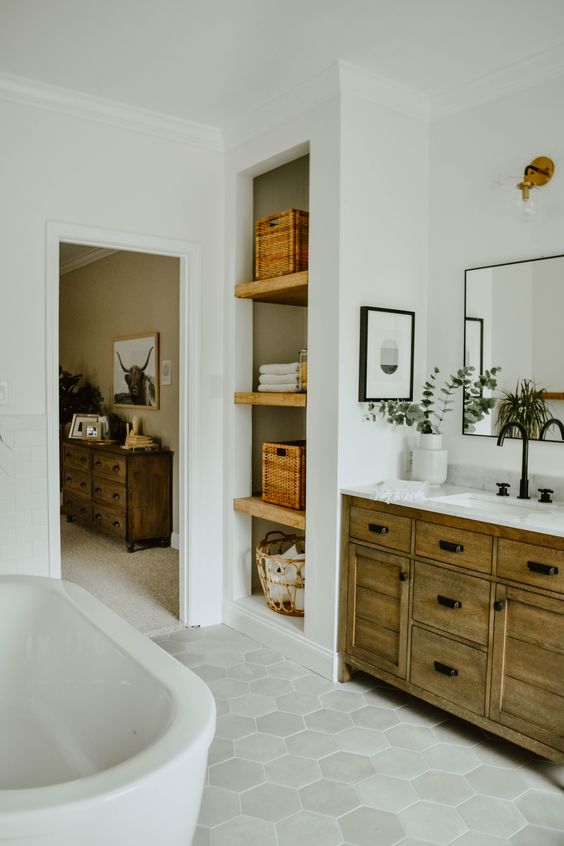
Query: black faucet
(524, 481)
(546, 426)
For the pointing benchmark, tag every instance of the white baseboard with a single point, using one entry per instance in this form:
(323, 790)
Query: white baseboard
(252, 617)
(175, 540)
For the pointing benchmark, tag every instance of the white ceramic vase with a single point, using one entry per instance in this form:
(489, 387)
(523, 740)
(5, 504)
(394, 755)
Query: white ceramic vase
(430, 461)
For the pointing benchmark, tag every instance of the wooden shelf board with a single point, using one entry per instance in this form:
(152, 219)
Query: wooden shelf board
(553, 395)
(283, 290)
(257, 507)
(293, 400)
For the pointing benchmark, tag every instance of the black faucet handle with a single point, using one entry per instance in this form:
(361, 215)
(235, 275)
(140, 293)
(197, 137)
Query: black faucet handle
(545, 494)
(503, 488)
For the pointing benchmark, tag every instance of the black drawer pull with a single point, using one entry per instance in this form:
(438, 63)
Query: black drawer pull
(449, 603)
(98, 516)
(68, 478)
(115, 496)
(83, 484)
(83, 510)
(98, 490)
(451, 547)
(445, 669)
(116, 524)
(98, 463)
(83, 459)
(377, 529)
(403, 576)
(545, 569)
(498, 605)
(68, 502)
(116, 468)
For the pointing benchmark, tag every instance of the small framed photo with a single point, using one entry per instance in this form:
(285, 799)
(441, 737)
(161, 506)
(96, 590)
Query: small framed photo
(79, 421)
(386, 354)
(93, 430)
(474, 343)
(136, 371)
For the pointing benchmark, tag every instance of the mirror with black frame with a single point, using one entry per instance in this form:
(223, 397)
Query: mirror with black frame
(513, 320)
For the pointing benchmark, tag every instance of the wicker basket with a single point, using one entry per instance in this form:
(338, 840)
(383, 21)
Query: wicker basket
(281, 244)
(282, 577)
(283, 473)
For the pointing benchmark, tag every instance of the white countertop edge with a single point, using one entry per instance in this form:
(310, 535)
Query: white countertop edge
(556, 527)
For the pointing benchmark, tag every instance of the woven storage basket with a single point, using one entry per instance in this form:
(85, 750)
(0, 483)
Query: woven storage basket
(281, 243)
(282, 578)
(283, 473)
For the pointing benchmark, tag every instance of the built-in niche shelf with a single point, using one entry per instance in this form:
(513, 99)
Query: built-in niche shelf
(285, 400)
(290, 289)
(257, 507)
(553, 395)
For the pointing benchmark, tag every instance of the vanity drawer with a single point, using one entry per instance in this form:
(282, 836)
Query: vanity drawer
(531, 564)
(109, 465)
(454, 546)
(108, 520)
(76, 481)
(77, 507)
(380, 527)
(76, 456)
(108, 492)
(449, 669)
(454, 602)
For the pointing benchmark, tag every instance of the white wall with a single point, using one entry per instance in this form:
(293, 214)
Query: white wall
(56, 167)
(383, 262)
(476, 158)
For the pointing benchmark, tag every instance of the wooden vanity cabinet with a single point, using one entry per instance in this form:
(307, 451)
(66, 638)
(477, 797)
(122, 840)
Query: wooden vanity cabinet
(463, 614)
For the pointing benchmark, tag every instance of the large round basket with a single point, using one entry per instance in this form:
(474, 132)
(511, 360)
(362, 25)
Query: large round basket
(282, 576)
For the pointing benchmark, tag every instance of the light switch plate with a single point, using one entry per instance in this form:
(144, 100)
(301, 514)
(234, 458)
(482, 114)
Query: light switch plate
(3, 392)
(166, 372)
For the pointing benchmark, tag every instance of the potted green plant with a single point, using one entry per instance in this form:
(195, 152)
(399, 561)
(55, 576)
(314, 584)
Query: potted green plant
(75, 399)
(526, 405)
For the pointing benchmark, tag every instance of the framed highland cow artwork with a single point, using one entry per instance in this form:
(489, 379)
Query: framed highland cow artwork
(136, 369)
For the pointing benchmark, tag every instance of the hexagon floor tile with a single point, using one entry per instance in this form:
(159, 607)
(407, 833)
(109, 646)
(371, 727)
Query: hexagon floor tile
(299, 761)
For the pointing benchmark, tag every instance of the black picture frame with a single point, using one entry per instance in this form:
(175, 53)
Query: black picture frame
(387, 341)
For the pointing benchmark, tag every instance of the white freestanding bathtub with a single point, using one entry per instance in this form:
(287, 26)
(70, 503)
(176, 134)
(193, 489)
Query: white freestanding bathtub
(103, 735)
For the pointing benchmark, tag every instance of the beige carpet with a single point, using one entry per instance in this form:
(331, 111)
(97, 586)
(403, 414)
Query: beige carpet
(142, 586)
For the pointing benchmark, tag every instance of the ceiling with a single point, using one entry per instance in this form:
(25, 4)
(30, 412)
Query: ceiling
(210, 61)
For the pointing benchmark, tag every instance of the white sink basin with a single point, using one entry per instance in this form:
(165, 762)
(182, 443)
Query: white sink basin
(498, 506)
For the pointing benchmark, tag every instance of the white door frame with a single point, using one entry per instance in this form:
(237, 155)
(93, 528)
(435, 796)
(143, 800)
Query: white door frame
(190, 455)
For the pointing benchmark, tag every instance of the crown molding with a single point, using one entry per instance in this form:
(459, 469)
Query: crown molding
(383, 92)
(88, 257)
(31, 93)
(520, 76)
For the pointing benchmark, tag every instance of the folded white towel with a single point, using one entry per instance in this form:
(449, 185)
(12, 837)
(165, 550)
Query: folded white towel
(288, 388)
(273, 379)
(279, 369)
(400, 490)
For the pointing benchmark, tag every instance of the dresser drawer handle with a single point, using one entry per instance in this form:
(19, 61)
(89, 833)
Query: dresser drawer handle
(377, 529)
(98, 463)
(115, 468)
(545, 569)
(115, 496)
(445, 669)
(83, 509)
(115, 524)
(68, 478)
(83, 484)
(68, 502)
(403, 576)
(98, 490)
(98, 516)
(449, 603)
(83, 459)
(498, 605)
(451, 547)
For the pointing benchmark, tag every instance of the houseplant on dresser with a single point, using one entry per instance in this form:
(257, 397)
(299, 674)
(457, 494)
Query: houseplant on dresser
(428, 415)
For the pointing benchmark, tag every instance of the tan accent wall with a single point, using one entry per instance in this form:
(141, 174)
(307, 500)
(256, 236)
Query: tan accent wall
(124, 294)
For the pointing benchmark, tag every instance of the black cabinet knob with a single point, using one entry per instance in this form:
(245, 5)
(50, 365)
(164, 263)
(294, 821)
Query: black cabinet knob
(449, 546)
(448, 602)
(445, 669)
(377, 529)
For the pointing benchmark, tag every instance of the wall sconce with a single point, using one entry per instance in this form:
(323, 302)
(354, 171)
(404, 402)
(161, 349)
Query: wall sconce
(536, 174)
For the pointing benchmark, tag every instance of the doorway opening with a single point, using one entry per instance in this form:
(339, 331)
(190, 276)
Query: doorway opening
(119, 338)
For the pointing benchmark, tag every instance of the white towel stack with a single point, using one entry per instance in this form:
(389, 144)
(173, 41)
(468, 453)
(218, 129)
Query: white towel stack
(279, 378)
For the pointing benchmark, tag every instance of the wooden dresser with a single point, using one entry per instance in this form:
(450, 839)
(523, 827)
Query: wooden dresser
(464, 614)
(127, 494)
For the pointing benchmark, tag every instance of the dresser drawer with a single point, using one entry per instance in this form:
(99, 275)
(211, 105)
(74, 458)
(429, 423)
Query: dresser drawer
(76, 506)
(107, 492)
(454, 602)
(449, 669)
(380, 527)
(76, 456)
(108, 520)
(110, 465)
(76, 481)
(454, 546)
(531, 564)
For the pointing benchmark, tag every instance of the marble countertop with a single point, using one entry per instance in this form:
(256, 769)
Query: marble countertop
(529, 515)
